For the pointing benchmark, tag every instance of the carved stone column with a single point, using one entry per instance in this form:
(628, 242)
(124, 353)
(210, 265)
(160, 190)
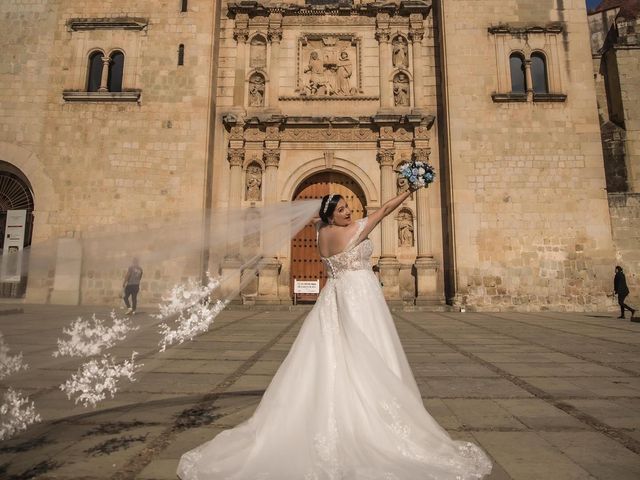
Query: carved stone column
(231, 263)
(426, 265)
(275, 37)
(241, 34)
(105, 75)
(383, 34)
(270, 265)
(528, 78)
(388, 263)
(416, 34)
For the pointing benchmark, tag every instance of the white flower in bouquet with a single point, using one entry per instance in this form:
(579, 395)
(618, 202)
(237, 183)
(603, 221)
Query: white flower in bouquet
(97, 378)
(91, 337)
(16, 414)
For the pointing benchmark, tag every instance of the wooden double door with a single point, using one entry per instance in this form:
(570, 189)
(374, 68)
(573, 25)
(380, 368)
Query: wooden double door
(305, 259)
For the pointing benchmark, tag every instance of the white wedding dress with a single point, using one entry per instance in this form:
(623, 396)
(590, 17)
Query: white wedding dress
(344, 404)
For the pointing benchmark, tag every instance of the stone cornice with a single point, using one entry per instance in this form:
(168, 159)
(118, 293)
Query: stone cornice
(107, 23)
(232, 120)
(257, 9)
(525, 29)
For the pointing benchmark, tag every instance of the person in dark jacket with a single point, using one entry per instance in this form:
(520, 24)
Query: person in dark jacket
(131, 286)
(620, 288)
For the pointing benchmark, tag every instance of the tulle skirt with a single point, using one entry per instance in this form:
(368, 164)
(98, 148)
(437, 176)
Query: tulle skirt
(344, 405)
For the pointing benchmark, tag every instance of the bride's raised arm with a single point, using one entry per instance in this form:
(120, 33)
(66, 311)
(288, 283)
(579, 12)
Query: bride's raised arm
(376, 217)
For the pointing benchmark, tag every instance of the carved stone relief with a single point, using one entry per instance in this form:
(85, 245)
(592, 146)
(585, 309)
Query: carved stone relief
(405, 229)
(254, 182)
(328, 65)
(400, 53)
(401, 90)
(256, 90)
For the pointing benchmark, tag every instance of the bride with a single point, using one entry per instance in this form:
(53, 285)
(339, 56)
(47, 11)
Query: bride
(344, 404)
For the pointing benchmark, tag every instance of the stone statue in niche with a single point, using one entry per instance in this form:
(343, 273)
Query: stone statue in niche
(405, 229)
(401, 90)
(400, 57)
(328, 65)
(258, 52)
(402, 183)
(256, 90)
(254, 183)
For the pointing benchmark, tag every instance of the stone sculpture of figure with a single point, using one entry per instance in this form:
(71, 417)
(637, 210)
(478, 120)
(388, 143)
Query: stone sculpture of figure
(401, 90)
(400, 58)
(405, 229)
(317, 80)
(256, 91)
(402, 183)
(254, 182)
(343, 74)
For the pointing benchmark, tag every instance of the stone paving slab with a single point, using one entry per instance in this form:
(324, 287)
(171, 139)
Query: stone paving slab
(547, 395)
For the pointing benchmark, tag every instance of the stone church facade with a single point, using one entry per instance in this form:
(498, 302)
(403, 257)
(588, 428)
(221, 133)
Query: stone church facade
(113, 111)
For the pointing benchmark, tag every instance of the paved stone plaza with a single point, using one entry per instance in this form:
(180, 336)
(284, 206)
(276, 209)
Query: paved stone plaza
(547, 395)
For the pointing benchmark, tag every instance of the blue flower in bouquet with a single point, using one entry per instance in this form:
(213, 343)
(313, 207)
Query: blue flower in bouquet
(413, 178)
(414, 172)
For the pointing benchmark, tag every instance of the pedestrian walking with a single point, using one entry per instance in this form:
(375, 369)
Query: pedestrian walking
(131, 286)
(620, 288)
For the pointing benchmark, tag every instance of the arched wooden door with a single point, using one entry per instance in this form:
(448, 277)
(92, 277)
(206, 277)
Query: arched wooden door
(305, 260)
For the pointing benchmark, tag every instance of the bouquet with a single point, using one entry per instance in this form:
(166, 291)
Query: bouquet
(419, 174)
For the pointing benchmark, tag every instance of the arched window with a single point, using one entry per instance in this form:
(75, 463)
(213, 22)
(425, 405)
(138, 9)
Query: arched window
(539, 73)
(181, 54)
(116, 68)
(516, 65)
(95, 71)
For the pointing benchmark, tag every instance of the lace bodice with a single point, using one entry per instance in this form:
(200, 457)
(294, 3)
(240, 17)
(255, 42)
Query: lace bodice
(356, 256)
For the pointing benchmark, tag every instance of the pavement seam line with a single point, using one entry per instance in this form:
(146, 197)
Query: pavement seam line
(615, 434)
(134, 466)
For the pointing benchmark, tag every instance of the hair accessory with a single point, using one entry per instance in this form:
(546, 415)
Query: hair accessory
(326, 205)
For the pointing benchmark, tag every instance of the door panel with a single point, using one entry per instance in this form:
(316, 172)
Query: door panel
(305, 260)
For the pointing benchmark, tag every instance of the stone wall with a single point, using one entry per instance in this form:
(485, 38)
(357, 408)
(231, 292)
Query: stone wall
(625, 224)
(531, 222)
(101, 164)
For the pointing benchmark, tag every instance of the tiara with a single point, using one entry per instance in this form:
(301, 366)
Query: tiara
(326, 205)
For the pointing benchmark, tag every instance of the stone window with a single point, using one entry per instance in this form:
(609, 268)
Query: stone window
(539, 73)
(528, 65)
(97, 70)
(181, 55)
(94, 75)
(185, 6)
(516, 67)
(116, 69)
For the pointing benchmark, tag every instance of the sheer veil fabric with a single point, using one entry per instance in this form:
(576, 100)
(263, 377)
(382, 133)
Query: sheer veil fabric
(344, 404)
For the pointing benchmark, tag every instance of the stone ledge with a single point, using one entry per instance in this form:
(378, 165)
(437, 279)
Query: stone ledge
(549, 97)
(523, 97)
(126, 96)
(525, 29)
(108, 23)
(509, 97)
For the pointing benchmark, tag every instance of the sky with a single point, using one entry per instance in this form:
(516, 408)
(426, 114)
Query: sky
(592, 3)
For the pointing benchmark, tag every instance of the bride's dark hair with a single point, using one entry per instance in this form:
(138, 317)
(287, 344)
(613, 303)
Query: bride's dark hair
(327, 210)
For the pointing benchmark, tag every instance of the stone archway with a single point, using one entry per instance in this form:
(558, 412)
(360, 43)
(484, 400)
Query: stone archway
(305, 261)
(16, 194)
